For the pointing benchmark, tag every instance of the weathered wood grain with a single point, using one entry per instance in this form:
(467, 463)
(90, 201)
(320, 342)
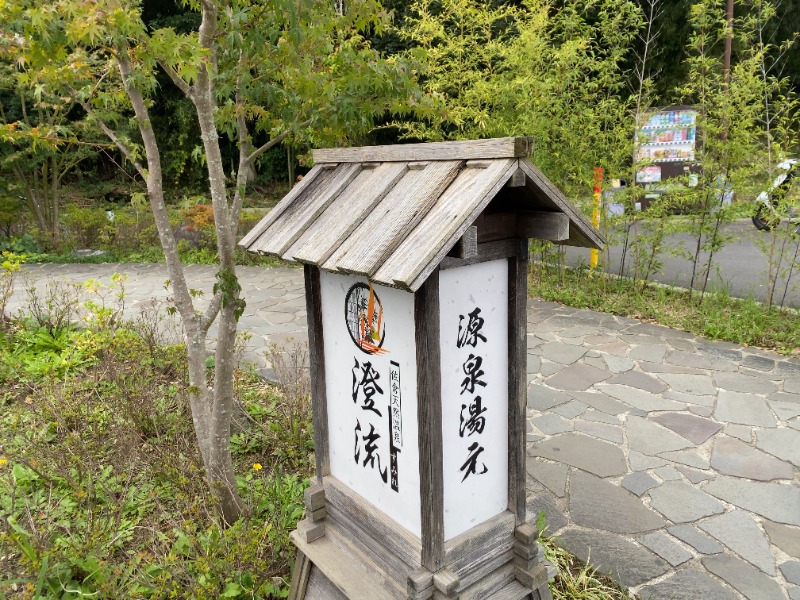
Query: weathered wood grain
(495, 537)
(302, 213)
(489, 585)
(467, 245)
(510, 147)
(304, 186)
(582, 233)
(316, 361)
(300, 575)
(512, 591)
(345, 505)
(429, 418)
(351, 571)
(330, 230)
(553, 226)
(322, 588)
(448, 218)
(517, 179)
(486, 252)
(517, 379)
(389, 223)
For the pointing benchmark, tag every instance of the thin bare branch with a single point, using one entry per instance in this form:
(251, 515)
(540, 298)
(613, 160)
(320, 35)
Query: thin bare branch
(276, 140)
(115, 138)
(179, 81)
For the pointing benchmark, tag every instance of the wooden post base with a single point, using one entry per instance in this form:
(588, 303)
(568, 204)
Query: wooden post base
(337, 559)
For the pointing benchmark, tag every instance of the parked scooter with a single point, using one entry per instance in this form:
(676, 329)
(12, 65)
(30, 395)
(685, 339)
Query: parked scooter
(767, 216)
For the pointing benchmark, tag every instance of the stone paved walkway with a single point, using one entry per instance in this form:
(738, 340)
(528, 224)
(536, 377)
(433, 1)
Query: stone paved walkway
(671, 461)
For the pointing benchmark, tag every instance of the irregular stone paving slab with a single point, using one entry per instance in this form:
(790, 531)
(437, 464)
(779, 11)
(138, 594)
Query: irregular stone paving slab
(794, 593)
(605, 403)
(668, 473)
(759, 363)
(696, 539)
(562, 353)
(688, 584)
(733, 457)
(783, 443)
(746, 579)
(577, 377)
(600, 430)
(701, 411)
(791, 384)
(692, 428)
(733, 382)
(550, 368)
(543, 504)
(788, 368)
(722, 348)
(694, 476)
(698, 360)
(653, 353)
(640, 462)
(550, 424)
(600, 417)
(571, 409)
(552, 475)
(746, 409)
(627, 562)
(666, 547)
(784, 537)
(791, 571)
(616, 348)
(543, 398)
(651, 439)
(661, 367)
(739, 532)
(687, 457)
(785, 397)
(644, 401)
(617, 364)
(683, 503)
(598, 504)
(534, 364)
(784, 410)
(776, 501)
(740, 432)
(699, 400)
(581, 451)
(638, 482)
(698, 385)
(642, 381)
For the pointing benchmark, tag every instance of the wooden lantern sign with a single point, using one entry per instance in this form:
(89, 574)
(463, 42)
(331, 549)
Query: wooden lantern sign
(416, 263)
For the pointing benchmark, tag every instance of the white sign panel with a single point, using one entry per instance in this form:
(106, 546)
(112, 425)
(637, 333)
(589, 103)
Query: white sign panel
(474, 350)
(371, 386)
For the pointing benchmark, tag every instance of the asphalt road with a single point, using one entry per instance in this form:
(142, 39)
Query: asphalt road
(740, 267)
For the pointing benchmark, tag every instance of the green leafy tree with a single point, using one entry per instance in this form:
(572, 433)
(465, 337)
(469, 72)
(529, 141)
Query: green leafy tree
(730, 131)
(281, 69)
(529, 69)
(41, 143)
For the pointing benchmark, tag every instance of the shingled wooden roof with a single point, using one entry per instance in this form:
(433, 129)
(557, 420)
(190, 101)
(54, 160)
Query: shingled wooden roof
(392, 213)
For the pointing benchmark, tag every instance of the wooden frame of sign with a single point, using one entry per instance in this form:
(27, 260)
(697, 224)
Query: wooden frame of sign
(347, 551)
(420, 236)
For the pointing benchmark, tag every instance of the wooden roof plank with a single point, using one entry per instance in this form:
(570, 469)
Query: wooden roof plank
(510, 147)
(345, 213)
(397, 214)
(451, 215)
(287, 228)
(305, 185)
(582, 232)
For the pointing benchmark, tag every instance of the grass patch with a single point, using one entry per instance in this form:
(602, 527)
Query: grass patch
(716, 316)
(102, 488)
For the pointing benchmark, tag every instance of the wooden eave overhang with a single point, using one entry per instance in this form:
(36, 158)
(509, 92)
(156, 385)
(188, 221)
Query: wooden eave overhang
(392, 213)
